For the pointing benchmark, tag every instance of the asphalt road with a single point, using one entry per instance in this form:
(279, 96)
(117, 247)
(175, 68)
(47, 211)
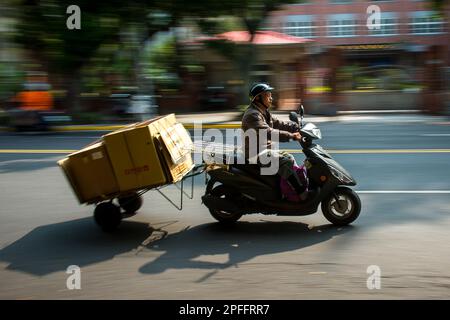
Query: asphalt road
(403, 229)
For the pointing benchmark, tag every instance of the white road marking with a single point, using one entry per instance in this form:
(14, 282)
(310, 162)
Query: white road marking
(342, 151)
(436, 135)
(404, 191)
(377, 151)
(81, 137)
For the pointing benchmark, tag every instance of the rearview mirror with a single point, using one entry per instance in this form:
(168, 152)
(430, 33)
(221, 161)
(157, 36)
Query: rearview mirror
(301, 111)
(293, 117)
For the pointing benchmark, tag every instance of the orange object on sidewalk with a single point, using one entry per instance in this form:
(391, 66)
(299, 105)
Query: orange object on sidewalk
(35, 100)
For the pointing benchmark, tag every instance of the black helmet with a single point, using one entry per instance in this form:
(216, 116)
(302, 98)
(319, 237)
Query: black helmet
(257, 89)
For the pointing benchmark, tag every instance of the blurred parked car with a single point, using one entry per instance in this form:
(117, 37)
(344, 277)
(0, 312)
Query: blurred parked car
(136, 106)
(34, 107)
(216, 98)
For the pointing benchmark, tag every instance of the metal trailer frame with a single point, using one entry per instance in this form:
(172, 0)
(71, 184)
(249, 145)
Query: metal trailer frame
(108, 215)
(194, 172)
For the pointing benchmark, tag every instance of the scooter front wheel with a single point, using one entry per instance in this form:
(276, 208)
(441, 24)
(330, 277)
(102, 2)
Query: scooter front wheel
(223, 216)
(342, 207)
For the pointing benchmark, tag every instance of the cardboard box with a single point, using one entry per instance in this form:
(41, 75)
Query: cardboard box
(137, 154)
(175, 146)
(176, 149)
(90, 174)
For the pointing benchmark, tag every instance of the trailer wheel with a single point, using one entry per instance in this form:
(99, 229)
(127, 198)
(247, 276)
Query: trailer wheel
(130, 203)
(107, 215)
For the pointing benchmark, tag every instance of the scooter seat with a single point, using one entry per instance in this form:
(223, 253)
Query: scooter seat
(254, 170)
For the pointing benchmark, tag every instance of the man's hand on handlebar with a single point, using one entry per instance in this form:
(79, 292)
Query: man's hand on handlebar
(296, 136)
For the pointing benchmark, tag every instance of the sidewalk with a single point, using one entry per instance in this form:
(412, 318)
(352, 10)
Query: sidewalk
(231, 120)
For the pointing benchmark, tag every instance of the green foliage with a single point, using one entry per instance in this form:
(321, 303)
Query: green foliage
(98, 50)
(86, 117)
(5, 119)
(11, 80)
(438, 6)
(161, 65)
(217, 25)
(42, 28)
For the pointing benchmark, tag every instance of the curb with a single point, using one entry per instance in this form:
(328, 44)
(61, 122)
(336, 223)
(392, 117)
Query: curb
(81, 128)
(87, 128)
(230, 124)
(116, 127)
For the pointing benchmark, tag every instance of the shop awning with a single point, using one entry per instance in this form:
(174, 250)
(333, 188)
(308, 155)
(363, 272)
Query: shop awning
(260, 38)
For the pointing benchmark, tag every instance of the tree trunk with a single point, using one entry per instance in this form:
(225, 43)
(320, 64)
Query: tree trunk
(247, 58)
(72, 101)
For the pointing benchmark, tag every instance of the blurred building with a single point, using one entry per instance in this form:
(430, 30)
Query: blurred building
(277, 60)
(409, 36)
(407, 27)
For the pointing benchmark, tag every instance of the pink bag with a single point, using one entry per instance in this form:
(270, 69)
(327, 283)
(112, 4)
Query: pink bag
(287, 191)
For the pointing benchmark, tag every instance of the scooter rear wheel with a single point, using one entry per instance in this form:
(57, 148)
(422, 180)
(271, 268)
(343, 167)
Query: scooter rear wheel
(221, 191)
(343, 207)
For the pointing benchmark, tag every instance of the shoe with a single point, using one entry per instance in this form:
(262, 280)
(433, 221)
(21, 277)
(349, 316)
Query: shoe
(310, 194)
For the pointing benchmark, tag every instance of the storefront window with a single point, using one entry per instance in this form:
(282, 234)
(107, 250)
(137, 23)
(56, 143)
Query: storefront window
(342, 25)
(425, 22)
(300, 26)
(388, 25)
(300, 29)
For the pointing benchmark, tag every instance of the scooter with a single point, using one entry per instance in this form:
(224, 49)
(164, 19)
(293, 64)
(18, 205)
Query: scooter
(237, 189)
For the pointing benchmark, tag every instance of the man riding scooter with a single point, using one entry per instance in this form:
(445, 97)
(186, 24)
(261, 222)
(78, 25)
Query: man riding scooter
(257, 117)
(238, 189)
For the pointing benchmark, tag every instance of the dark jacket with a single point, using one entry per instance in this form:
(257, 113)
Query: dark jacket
(258, 117)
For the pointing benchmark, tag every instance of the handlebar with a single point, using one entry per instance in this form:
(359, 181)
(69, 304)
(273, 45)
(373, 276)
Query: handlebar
(305, 142)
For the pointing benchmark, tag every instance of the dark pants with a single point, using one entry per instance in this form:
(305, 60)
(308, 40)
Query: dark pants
(286, 162)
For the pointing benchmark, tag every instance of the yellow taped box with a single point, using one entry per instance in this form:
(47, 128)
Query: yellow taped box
(176, 145)
(90, 173)
(137, 158)
(176, 150)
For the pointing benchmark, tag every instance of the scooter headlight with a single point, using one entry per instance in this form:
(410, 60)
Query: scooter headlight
(317, 133)
(341, 176)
